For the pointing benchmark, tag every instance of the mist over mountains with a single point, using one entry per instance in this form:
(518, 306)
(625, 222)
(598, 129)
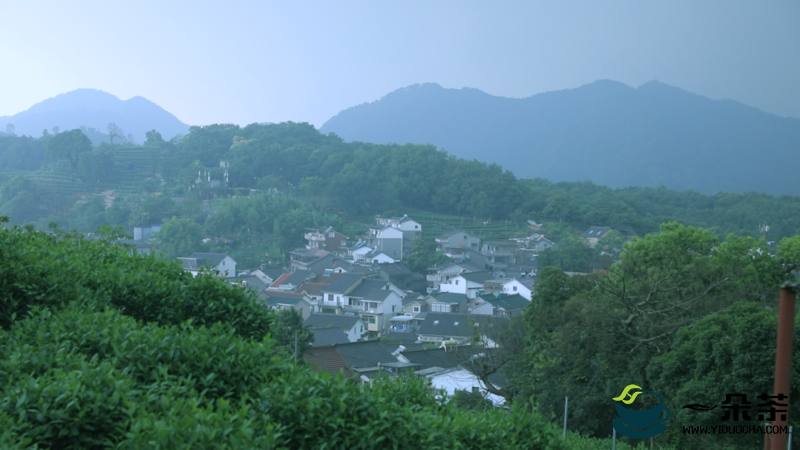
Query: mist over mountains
(95, 109)
(606, 132)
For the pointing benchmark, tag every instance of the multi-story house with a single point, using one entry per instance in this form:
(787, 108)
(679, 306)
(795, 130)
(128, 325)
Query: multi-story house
(500, 255)
(411, 230)
(454, 242)
(508, 286)
(388, 240)
(326, 239)
(468, 284)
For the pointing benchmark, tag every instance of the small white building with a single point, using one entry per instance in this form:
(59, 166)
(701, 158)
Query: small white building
(508, 286)
(220, 263)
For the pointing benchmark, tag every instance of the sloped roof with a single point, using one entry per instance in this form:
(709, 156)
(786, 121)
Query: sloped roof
(449, 297)
(322, 320)
(378, 295)
(366, 354)
(298, 277)
(273, 272)
(250, 281)
(275, 300)
(280, 280)
(477, 277)
(433, 358)
(394, 268)
(343, 283)
(366, 286)
(329, 336)
(213, 258)
(596, 232)
(318, 285)
(328, 359)
(508, 302)
(444, 324)
(451, 233)
(529, 263)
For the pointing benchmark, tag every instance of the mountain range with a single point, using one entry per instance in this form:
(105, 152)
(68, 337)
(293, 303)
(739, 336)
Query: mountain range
(610, 133)
(92, 108)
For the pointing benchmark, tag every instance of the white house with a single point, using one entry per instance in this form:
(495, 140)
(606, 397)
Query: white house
(466, 283)
(508, 286)
(220, 263)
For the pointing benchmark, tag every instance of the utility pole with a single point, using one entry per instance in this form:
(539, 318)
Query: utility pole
(295, 346)
(783, 363)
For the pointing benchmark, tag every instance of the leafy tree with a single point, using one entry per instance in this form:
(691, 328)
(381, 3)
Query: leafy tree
(729, 352)
(290, 334)
(153, 139)
(68, 145)
(423, 255)
(179, 237)
(571, 255)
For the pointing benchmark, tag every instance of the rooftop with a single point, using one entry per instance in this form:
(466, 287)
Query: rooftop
(321, 320)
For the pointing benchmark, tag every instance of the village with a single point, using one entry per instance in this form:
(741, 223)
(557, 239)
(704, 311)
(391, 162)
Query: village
(373, 317)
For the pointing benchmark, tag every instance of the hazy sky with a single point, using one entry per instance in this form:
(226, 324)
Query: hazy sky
(258, 61)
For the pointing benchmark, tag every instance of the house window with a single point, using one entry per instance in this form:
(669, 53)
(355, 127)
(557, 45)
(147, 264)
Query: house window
(331, 234)
(456, 282)
(515, 289)
(392, 308)
(330, 297)
(362, 328)
(453, 308)
(370, 319)
(416, 309)
(344, 242)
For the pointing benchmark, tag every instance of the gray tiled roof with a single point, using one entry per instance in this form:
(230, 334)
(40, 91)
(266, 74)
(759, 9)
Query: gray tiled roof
(329, 336)
(477, 277)
(378, 295)
(366, 286)
(449, 297)
(394, 268)
(275, 300)
(366, 354)
(446, 324)
(434, 358)
(596, 232)
(213, 258)
(508, 302)
(273, 272)
(343, 283)
(328, 359)
(321, 320)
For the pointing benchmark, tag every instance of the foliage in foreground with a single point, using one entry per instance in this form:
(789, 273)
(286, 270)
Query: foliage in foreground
(102, 349)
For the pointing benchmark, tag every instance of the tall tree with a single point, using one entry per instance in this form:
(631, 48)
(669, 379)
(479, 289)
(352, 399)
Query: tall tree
(69, 145)
(114, 131)
(293, 338)
(179, 237)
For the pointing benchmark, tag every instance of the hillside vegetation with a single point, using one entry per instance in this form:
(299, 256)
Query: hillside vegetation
(287, 177)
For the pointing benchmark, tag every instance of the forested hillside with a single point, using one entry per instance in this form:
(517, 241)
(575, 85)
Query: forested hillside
(288, 176)
(607, 132)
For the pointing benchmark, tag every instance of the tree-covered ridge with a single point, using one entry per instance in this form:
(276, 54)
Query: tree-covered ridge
(289, 176)
(92, 358)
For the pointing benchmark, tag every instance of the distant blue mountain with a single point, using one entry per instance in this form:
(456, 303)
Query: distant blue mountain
(96, 109)
(607, 132)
